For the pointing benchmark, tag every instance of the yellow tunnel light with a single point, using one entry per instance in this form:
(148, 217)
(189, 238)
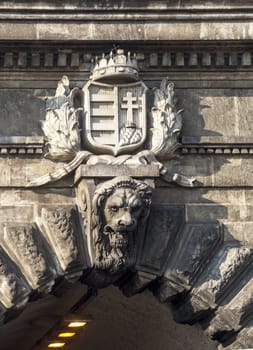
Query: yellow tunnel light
(66, 334)
(56, 345)
(76, 324)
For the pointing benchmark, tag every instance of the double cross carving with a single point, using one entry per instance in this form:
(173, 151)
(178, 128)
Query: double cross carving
(130, 105)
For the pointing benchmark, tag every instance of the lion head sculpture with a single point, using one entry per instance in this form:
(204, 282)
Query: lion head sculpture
(120, 209)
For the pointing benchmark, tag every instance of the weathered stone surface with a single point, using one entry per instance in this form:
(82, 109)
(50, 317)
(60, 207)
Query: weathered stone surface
(115, 226)
(211, 212)
(216, 282)
(205, 202)
(210, 171)
(240, 231)
(62, 230)
(227, 105)
(164, 225)
(107, 171)
(183, 256)
(24, 245)
(215, 171)
(21, 112)
(189, 254)
(22, 213)
(235, 30)
(244, 339)
(231, 318)
(14, 290)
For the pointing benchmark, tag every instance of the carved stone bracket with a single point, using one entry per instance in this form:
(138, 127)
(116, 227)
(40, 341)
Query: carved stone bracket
(14, 291)
(62, 230)
(114, 214)
(26, 248)
(223, 271)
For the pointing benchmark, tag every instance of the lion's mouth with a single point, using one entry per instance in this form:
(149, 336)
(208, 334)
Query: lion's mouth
(117, 239)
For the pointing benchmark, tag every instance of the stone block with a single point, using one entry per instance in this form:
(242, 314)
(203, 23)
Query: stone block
(61, 227)
(219, 112)
(21, 213)
(240, 231)
(187, 30)
(223, 277)
(49, 59)
(213, 171)
(164, 224)
(235, 171)
(192, 252)
(8, 60)
(10, 197)
(222, 196)
(35, 57)
(62, 59)
(21, 112)
(248, 195)
(212, 212)
(107, 171)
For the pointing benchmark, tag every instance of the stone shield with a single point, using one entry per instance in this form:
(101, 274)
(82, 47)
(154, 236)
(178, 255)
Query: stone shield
(115, 117)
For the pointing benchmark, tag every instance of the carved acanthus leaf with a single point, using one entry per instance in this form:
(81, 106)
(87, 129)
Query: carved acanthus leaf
(62, 132)
(166, 121)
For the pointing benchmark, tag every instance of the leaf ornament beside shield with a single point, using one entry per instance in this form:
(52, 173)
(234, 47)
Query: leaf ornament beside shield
(115, 117)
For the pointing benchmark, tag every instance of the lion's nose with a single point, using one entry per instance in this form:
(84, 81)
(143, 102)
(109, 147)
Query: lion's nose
(126, 221)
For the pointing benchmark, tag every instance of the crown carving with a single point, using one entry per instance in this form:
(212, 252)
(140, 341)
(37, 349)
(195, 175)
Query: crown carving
(115, 67)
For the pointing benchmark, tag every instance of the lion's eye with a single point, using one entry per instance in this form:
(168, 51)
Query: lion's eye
(114, 209)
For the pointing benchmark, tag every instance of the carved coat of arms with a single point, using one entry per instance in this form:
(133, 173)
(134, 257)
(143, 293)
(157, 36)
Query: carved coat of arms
(115, 117)
(115, 106)
(114, 126)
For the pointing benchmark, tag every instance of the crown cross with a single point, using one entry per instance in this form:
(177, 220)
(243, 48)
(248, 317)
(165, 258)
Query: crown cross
(129, 105)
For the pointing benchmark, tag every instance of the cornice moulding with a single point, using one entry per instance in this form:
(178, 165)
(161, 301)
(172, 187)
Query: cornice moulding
(217, 145)
(126, 15)
(161, 7)
(33, 145)
(126, 30)
(196, 57)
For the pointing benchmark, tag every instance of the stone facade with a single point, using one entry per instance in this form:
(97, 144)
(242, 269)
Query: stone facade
(58, 184)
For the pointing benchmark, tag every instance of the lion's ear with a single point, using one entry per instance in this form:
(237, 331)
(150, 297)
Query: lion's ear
(100, 201)
(97, 203)
(146, 196)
